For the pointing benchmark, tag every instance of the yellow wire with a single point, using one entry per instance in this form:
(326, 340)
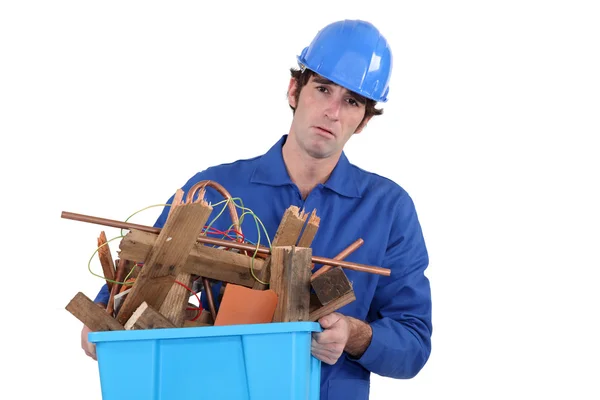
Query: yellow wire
(226, 201)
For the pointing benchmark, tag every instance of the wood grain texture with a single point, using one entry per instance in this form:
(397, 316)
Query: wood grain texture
(290, 280)
(145, 317)
(92, 315)
(170, 251)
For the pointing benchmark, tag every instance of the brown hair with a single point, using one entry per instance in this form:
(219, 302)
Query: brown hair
(302, 77)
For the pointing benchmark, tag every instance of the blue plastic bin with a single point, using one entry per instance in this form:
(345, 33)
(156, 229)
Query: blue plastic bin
(254, 362)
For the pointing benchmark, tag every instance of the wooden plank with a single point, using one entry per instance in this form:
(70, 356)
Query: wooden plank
(210, 262)
(92, 316)
(290, 280)
(145, 317)
(222, 265)
(173, 308)
(289, 229)
(175, 303)
(332, 306)
(170, 251)
(310, 231)
(106, 260)
(331, 285)
(287, 235)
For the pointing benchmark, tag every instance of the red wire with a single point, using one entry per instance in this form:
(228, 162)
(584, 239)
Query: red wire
(199, 308)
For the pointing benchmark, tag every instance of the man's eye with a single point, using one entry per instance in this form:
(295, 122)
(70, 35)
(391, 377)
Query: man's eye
(353, 102)
(322, 89)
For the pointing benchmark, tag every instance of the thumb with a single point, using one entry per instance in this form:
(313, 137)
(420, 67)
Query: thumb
(329, 320)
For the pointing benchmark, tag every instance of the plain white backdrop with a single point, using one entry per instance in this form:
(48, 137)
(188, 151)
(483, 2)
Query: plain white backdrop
(492, 124)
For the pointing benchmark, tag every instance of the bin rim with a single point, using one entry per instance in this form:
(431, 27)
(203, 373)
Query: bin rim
(204, 331)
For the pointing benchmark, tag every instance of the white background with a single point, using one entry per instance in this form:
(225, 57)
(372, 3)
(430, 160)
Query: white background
(108, 107)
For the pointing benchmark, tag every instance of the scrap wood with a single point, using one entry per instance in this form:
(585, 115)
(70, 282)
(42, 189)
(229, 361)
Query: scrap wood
(92, 316)
(331, 285)
(226, 243)
(210, 262)
(145, 317)
(310, 230)
(287, 234)
(171, 250)
(106, 260)
(290, 280)
(122, 268)
(175, 303)
(320, 311)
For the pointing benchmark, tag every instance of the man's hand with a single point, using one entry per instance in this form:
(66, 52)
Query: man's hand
(340, 333)
(329, 345)
(89, 348)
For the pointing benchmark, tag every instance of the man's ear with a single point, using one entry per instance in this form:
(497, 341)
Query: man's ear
(363, 124)
(291, 93)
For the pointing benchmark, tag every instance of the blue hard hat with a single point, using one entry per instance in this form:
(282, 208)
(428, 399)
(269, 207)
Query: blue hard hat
(353, 54)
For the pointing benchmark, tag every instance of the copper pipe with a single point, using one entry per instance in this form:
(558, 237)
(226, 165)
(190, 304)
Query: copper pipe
(225, 243)
(209, 297)
(343, 254)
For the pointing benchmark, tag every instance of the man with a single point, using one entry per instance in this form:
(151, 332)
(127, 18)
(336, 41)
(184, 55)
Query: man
(343, 73)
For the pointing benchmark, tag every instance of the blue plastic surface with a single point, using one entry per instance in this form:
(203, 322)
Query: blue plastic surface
(246, 362)
(353, 54)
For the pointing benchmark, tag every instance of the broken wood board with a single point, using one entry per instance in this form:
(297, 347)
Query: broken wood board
(310, 231)
(332, 306)
(331, 285)
(174, 305)
(145, 317)
(92, 315)
(209, 262)
(287, 234)
(170, 251)
(290, 280)
(106, 260)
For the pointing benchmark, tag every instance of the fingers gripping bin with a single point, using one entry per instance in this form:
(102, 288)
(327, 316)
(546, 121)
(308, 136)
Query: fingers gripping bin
(245, 362)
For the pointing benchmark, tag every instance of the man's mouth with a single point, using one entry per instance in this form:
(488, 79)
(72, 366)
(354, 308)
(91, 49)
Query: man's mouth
(324, 130)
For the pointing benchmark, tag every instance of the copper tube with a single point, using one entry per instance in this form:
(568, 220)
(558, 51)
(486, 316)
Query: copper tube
(343, 254)
(225, 243)
(209, 297)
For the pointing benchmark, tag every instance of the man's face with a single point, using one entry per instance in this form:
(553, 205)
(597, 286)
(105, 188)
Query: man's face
(326, 116)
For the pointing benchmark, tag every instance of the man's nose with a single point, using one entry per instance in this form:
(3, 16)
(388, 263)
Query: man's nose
(333, 108)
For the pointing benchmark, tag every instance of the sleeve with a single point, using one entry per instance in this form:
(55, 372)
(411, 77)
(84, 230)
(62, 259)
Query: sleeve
(400, 313)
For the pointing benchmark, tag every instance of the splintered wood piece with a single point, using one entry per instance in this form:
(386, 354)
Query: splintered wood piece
(92, 316)
(173, 308)
(343, 254)
(119, 299)
(210, 262)
(287, 234)
(290, 227)
(332, 306)
(331, 285)
(145, 317)
(290, 280)
(170, 251)
(310, 230)
(106, 260)
(242, 305)
(122, 267)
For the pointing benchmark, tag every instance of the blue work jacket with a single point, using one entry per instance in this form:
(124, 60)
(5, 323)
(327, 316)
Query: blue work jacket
(352, 204)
